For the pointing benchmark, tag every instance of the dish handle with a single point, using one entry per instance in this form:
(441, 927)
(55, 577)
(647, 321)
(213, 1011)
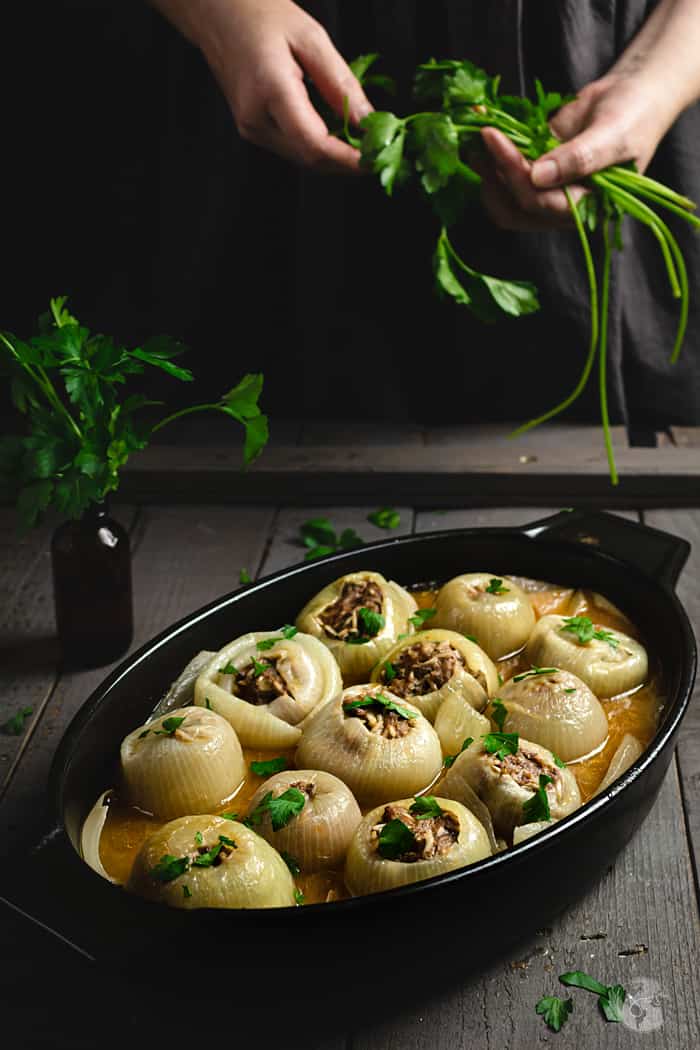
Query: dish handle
(658, 554)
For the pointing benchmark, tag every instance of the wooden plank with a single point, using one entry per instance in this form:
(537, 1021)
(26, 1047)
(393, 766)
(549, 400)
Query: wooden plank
(360, 432)
(552, 436)
(685, 437)
(464, 475)
(629, 929)
(686, 524)
(29, 652)
(187, 557)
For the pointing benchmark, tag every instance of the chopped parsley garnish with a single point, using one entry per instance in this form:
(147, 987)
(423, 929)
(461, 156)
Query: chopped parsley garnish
(499, 712)
(198, 838)
(471, 638)
(420, 616)
(554, 1010)
(244, 576)
(425, 806)
(229, 816)
(281, 809)
(259, 667)
(271, 765)
(394, 839)
(169, 726)
(299, 897)
(207, 704)
(535, 671)
(496, 587)
(500, 678)
(169, 868)
(611, 998)
(229, 668)
(145, 733)
(14, 726)
(291, 863)
(537, 807)
(378, 701)
(206, 860)
(449, 759)
(186, 891)
(369, 623)
(389, 671)
(227, 841)
(501, 744)
(584, 630)
(572, 690)
(385, 518)
(558, 761)
(286, 632)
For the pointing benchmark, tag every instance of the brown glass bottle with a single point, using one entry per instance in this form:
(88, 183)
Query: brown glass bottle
(91, 562)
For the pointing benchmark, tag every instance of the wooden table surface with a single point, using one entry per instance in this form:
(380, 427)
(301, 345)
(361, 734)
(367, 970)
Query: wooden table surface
(638, 926)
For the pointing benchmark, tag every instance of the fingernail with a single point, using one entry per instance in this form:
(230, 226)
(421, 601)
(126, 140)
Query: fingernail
(363, 109)
(545, 173)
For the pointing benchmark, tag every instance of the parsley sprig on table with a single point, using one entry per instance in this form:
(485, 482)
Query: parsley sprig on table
(433, 148)
(81, 424)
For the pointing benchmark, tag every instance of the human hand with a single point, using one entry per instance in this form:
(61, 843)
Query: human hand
(259, 53)
(615, 119)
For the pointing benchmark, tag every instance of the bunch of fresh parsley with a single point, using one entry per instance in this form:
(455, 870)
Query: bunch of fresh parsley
(433, 148)
(81, 424)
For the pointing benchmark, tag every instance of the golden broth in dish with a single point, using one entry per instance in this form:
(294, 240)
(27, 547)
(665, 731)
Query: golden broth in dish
(126, 827)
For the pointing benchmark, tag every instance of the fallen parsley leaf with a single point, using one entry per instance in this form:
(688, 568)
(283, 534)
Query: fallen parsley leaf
(611, 998)
(537, 807)
(425, 806)
(579, 979)
(612, 1003)
(385, 518)
(394, 839)
(419, 617)
(496, 587)
(14, 726)
(319, 537)
(501, 744)
(271, 765)
(244, 576)
(554, 1010)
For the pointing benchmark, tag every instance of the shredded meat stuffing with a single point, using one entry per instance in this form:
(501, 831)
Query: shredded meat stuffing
(260, 688)
(525, 768)
(339, 619)
(389, 724)
(434, 836)
(424, 668)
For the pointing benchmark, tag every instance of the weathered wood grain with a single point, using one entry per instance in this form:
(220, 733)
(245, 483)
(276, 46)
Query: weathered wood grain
(686, 524)
(360, 433)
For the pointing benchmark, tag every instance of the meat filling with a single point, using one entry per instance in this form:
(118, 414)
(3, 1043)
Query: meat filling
(389, 724)
(340, 618)
(424, 668)
(525, 768)
(434, 836)
(260, 687)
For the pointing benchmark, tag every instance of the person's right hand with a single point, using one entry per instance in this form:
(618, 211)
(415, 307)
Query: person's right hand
(259, 53)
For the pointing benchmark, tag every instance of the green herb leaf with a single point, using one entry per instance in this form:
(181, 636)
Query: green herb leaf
(186, 891)
(580, 626)
(208, 859)
(169, 868)
(285, 806)
(378, 701)
(535, 671)
(425, 806)
(554, 1010)
(499, 712)
(385, 518)
(230, 816)
(612, 1003)
(226, 841)
(395, 839)
(199, 838)
(369, 622)
(388, 671)
(558, 761)
(229, 668)
(299, 897)
(14, 726)
(286, 632)
(579, 979)
(496, 586)
(501, 744)
(420, 616)
(270, 766)
(471, 638)
(169, 726)
(145, 733)
(291, 863)
(244, 576)
(537, 807)
(450, 759)
(208, 704)
(259, 667)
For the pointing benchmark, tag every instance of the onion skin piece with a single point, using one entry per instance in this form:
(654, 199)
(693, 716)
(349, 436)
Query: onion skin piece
(357, 661)
(318, 836)
(91, 833)
(181, 692)
(571, 725)
(252, 876)
(606, 670)
(306, 665)
(477, 681)
(501, 622)
(376, 769)
(490, 779)
(367, 872)
(628, 751)
(193, 770)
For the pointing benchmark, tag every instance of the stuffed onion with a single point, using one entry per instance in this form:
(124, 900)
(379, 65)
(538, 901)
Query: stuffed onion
(411, 840)
(209, 862)
(378, 744)
(266, 682)
(608, 661)
(307, 815)
(358, 616)
(556, 710)
(493, 610)
(433, 665)
(188, 761)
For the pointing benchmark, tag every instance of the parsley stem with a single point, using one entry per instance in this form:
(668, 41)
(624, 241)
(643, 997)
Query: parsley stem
(45, 385)
(215, 407)
(602, 353)
(656, 198)
(593, 293)
(643, 183)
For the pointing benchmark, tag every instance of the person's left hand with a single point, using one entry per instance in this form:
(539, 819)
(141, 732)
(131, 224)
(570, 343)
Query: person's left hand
(614, 119)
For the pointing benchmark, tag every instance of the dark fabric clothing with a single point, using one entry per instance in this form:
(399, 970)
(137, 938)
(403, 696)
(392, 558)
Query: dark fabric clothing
(130, 190)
